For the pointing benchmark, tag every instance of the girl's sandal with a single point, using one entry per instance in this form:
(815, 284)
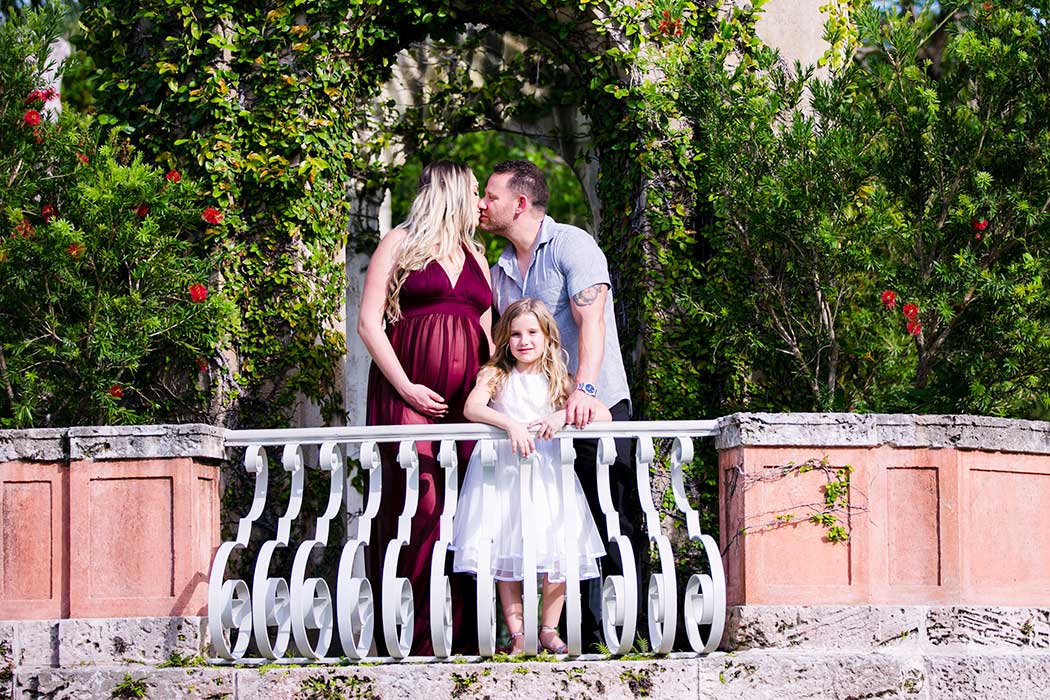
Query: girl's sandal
(513, 636)
(554, 647)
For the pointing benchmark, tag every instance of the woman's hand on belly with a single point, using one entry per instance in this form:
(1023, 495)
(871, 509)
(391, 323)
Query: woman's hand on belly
(424, 399)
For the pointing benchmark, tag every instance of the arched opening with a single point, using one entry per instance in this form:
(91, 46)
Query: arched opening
(477, 95)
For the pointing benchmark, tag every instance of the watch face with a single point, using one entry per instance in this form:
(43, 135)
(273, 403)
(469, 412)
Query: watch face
(588, 389)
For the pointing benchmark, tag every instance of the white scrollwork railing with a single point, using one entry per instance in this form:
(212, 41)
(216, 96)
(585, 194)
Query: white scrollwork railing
(304, 618)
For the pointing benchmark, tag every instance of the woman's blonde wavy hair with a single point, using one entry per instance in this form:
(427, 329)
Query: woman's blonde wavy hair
(552, 363)
(440, 222)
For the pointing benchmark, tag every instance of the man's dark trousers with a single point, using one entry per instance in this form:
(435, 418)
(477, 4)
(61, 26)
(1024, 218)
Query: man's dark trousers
(624, 490)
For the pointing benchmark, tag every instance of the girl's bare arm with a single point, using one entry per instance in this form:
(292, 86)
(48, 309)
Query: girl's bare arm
(477, 409)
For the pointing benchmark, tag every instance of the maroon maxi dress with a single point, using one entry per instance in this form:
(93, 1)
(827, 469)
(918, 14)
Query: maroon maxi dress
(440, 344)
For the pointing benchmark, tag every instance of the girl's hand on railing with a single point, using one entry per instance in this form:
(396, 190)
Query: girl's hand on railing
(546, 427)
(520, 439)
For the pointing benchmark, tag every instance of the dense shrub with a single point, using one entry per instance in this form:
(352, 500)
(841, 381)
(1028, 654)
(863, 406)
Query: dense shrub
(109, 311)
(876, 239)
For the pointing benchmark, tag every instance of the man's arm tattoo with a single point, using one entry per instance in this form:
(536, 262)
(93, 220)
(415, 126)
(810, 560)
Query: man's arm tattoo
(586, 297)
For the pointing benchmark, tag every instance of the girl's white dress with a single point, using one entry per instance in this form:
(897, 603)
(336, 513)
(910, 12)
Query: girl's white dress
(523, 397)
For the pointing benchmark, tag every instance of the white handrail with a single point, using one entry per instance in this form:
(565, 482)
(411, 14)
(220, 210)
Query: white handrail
(460, 431)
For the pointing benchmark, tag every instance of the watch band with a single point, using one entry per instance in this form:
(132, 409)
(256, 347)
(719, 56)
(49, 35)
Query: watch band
(587, 388)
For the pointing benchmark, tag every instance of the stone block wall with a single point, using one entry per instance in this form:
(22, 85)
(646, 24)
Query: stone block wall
(108, 521)
(941, 510)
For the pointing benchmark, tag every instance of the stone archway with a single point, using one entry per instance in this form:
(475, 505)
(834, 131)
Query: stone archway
(477, 54)
(422, 89)
(226, 97)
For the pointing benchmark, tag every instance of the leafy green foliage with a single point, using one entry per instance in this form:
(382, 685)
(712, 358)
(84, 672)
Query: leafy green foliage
(825, 193)
(270, 105)
(106, 315)
(130, 688)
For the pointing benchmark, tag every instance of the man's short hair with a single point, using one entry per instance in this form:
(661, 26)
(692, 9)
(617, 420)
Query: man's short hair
(526, 179)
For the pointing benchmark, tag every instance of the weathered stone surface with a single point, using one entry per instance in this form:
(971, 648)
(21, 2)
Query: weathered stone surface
(778, 675)
(146, 442)
(571, 681)
(106, 682)
(750, 675)
(869, 430)
(823, 627)
(37, 445)
(104, 641)
(33, 642)
(131, 639)
(1009, 628)
(980, 677)
(864, 628)
(806, 429)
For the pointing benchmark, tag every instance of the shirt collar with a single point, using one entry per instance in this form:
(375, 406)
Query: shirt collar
(508, 261)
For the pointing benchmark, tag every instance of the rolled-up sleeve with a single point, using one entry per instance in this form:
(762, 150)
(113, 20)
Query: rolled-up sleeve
(582, 262)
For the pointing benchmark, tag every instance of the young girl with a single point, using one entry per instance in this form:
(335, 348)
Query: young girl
(518, 390)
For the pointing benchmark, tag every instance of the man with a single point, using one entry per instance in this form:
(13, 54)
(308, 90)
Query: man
(563, 266)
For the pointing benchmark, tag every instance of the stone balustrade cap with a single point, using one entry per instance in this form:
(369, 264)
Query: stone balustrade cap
(34, 445)
(193, 440)
(146, 442)
(872, 429)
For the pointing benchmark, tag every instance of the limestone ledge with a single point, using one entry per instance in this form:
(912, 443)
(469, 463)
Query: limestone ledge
(874, 627)
(874, 429)
(192, 440)
(750, 675)
(78, 642)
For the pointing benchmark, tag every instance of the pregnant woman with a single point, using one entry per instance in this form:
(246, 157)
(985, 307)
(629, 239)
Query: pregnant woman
(425, 319)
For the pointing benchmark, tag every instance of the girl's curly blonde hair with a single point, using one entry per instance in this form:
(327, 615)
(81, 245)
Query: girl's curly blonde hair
(552, 363)
(440, 223)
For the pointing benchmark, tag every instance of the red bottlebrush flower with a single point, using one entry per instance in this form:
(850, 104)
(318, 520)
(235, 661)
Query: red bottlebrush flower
(31, 117)
(42, 96)
(48, 212)
(75, 250)
(173, 177)
(116, 391)
(212, 215)
(141, 211)
(202, 364)
(914, 327)
(198, 292)
(83, 158)
(889, 298)
(979, 224)
(911, 311)
(24, 229)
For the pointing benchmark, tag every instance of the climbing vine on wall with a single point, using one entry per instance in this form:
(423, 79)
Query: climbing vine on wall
(271, 103)
(276, 106)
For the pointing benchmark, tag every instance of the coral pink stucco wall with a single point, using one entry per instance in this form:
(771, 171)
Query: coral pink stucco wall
(927, 526)
(106, 538)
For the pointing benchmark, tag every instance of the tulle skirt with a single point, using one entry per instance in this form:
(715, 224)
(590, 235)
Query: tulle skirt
(548, 521)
